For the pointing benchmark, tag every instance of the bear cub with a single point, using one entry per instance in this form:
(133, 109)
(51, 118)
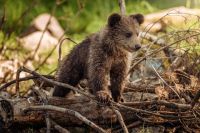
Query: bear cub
(102, 58)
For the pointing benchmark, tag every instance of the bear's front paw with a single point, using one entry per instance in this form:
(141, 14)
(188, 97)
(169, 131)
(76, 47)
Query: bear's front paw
(103, 97)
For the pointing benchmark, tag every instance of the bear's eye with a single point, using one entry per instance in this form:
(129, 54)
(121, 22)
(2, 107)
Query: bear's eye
(128, 34)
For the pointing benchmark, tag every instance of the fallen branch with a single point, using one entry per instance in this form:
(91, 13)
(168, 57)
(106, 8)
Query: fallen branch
(121, 121)
(167, 104)
(48, 123)
(68, 111)
(49, 81)
(6, 85)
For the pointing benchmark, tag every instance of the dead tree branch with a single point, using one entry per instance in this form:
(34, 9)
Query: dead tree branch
(121, 121)
(167, 104)
(60, 47)
(67, 111)
(122, 6)
(48, 123)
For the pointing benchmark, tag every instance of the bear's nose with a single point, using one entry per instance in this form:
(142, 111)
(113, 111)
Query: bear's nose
(137, 46)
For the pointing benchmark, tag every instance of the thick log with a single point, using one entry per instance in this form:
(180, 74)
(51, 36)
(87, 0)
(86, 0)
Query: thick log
(88, 108)
(26, 111)
(85, 106)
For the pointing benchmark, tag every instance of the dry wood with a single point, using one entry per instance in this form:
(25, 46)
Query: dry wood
(87, 107)
(121, 121)
(122, 7)
(167, 104)
(59, 128)
(67, 111)
(60, 47)
(48, 123)
(129, 86)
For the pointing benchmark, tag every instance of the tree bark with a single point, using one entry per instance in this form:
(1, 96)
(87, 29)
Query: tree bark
(85, 106)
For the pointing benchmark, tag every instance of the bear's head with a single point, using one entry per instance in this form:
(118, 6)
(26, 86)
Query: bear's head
(124, 30)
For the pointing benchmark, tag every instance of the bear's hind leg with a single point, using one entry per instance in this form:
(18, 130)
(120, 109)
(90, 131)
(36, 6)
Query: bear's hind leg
(71, 78)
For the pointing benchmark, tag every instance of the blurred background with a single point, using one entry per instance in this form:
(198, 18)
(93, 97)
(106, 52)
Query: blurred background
(78, 17)
(30, 30)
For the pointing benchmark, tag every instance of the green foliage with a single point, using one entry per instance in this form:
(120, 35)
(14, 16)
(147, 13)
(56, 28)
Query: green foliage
(78, 17)
(14, 49)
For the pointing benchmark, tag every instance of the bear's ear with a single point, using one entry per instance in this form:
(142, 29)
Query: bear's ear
(114, 19)
(138, 17)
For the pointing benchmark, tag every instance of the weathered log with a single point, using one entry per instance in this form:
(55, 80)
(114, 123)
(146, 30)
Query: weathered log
(33, 110)
(87, 107)
(90, 109)
(84, 105)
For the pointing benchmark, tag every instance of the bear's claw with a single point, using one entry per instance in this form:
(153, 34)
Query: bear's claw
(103, 97)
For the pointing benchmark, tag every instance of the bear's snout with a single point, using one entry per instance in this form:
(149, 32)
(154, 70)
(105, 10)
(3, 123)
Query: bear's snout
(137, 46)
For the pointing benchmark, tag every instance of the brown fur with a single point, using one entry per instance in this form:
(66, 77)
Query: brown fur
(102, 55)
